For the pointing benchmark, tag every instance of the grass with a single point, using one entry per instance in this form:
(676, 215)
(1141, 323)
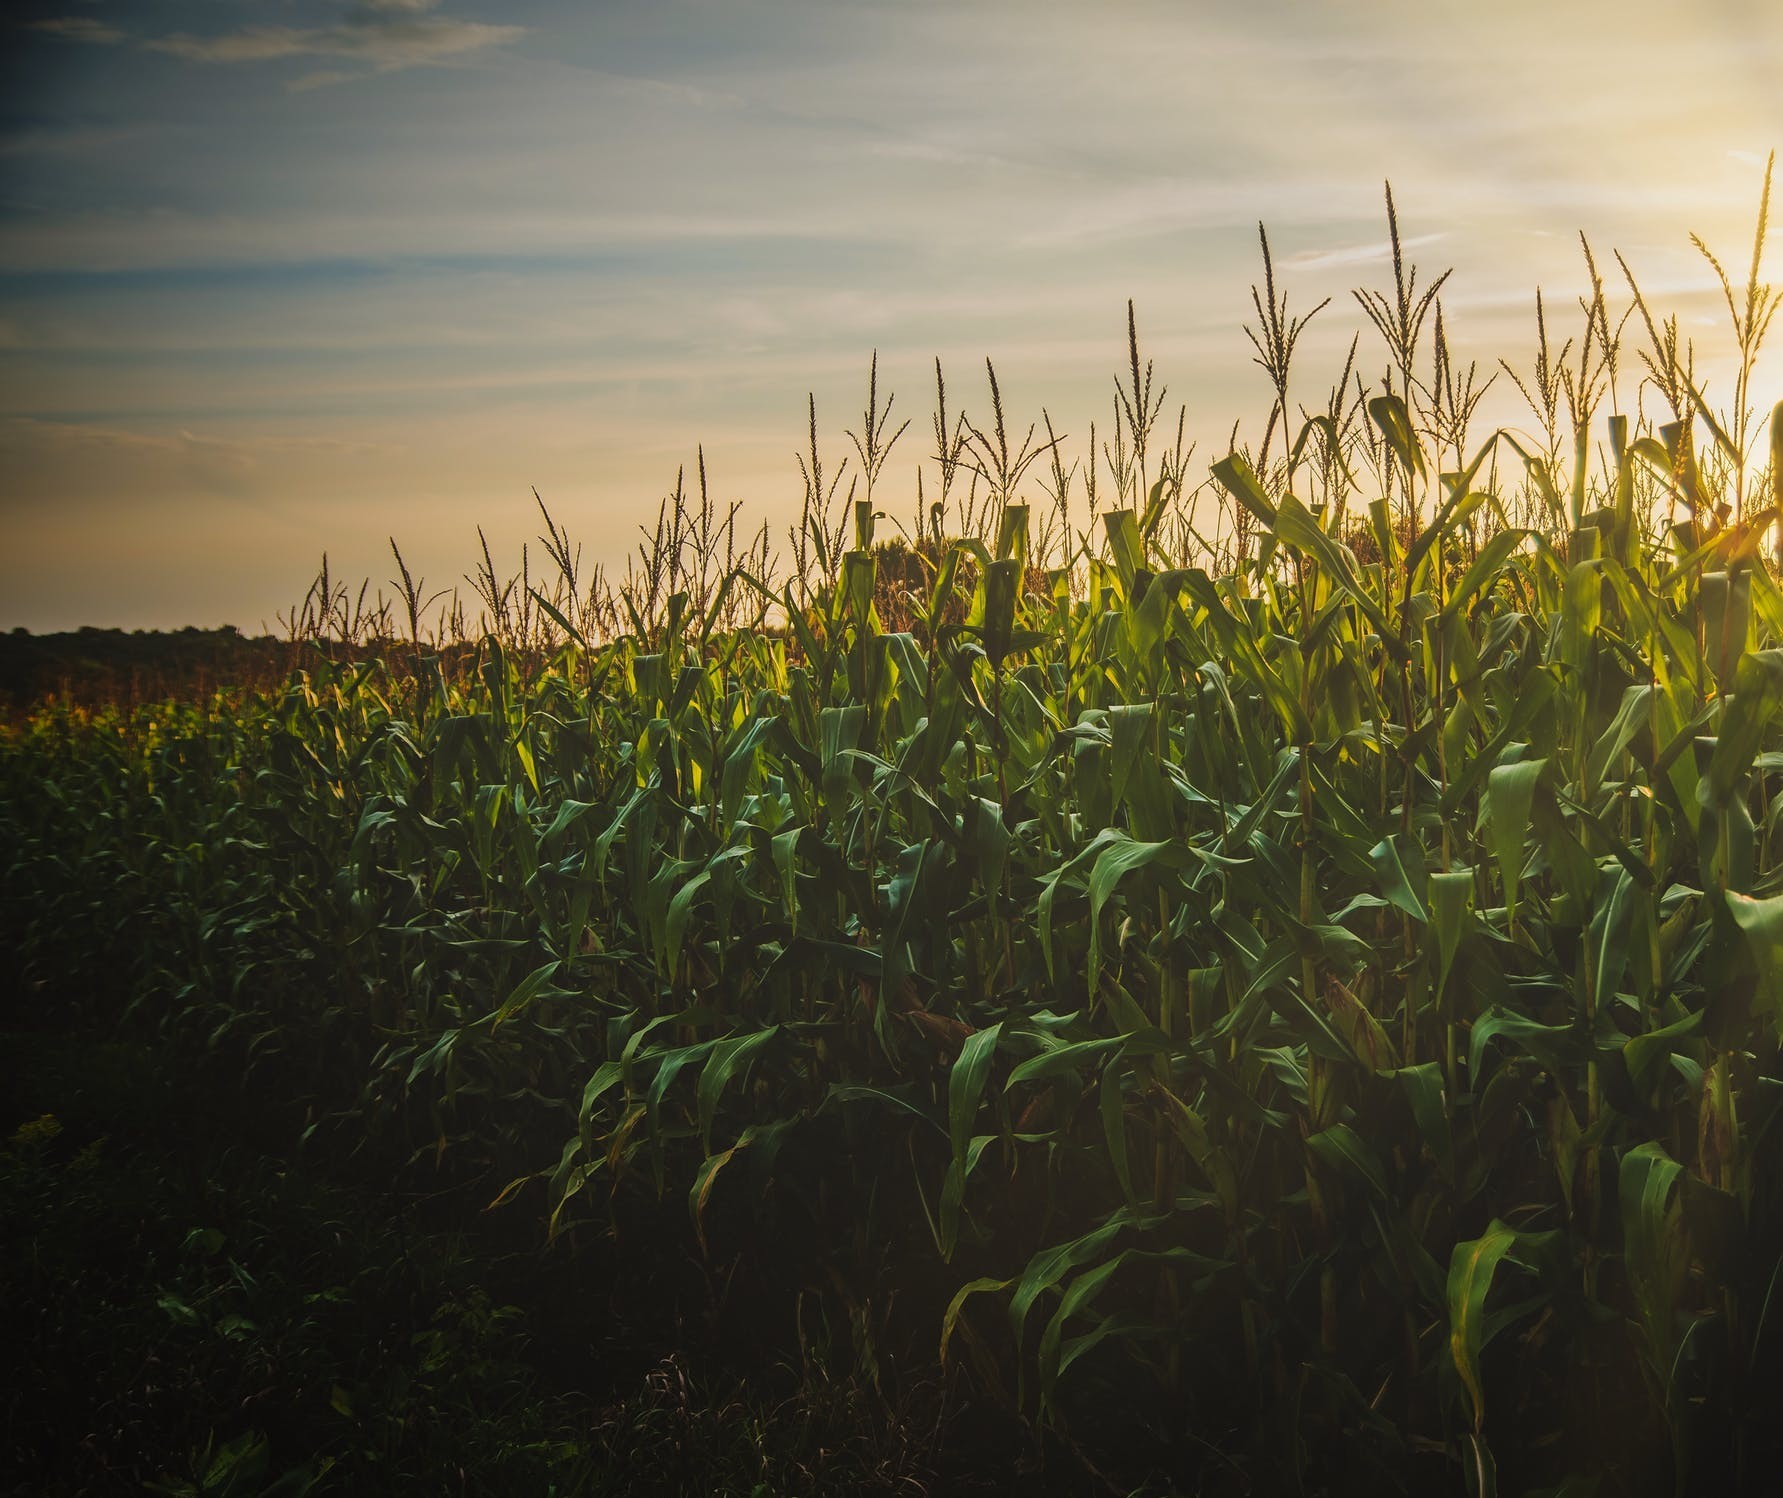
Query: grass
(1267, 985)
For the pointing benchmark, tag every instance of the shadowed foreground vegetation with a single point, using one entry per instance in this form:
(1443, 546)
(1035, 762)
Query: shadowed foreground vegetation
(1268, 985)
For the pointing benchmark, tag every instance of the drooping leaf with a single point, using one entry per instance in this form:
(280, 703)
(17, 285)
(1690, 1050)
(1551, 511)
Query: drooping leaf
(1472, 1268)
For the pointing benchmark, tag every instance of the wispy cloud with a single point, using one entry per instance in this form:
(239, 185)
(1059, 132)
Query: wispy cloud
(1356, 254)
(658, 221)
(80, 29)
(390, 35)
(322, 78)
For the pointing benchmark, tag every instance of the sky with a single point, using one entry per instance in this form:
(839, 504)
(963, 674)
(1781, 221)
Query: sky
(280, 277)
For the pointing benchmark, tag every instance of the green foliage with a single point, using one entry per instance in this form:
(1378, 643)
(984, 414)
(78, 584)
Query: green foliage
(1190, 963)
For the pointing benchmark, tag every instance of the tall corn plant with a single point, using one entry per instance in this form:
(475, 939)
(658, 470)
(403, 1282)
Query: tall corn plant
(1324, 1002)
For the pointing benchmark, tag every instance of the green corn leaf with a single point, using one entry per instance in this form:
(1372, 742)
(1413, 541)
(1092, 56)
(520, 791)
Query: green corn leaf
(785, 854)
(1641, 1053)
(1127, 546)
(1545, 1042)
(1236, 479)
(557, 618)
(1078, 1296)
(1295, 525)
(1610, 926)
(1120, 857)
(965, 1086)
(1215, 1161)
(984, 1285)
(1651, 1234)
(1012, 535)
(953, 1191)
(679, 915)
(726, 1059)
(1001, 586)
(1155, 504)
(1750, 712)
(1634, 714)
(1059, 1060)
(1130, 725)
(705, 1178)
(1760, 921)
(1727, 617)
(840, 730)
(1543, 477)
(740, 763)
(1510, 790)
(850, 1092)
(1341, 1148)
(536, 985)
(1046, 1268)
(1472, 1267)
(1426, 1093)
(1388, 412)
(1114, 1127)
(605, 1077)
(1394, 882)
(669, 1065)
(1451, 901)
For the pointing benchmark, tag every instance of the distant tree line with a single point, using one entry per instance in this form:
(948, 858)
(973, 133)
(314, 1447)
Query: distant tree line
(94, 666)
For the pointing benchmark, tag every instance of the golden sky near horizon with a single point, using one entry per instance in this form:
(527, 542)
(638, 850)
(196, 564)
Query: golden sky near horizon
(289, 276)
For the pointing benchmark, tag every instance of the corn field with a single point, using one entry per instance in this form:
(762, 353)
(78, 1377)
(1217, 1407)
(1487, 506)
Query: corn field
(1274, 979)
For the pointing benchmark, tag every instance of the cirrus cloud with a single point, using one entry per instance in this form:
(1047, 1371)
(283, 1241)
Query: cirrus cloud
(387, 34)
(390, 36)
(80, 29)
